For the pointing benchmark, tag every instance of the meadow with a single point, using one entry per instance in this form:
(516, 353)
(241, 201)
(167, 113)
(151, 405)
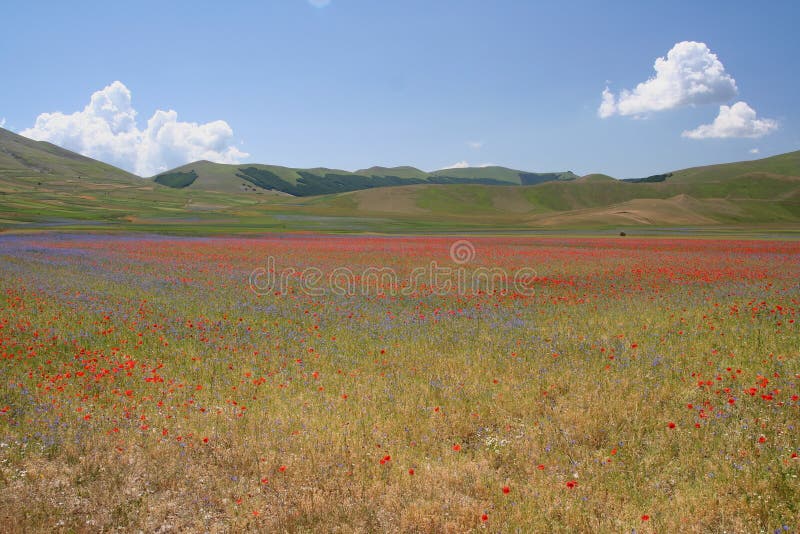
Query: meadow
(626, 384)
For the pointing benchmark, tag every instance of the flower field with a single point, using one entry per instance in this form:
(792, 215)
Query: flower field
(622, 384)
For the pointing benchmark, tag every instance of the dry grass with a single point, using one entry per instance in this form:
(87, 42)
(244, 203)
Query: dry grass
(577, 384)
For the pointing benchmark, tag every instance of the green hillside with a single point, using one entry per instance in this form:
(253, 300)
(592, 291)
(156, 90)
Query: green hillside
(257, 178)
(765, 191)
(25, 158)
(44, 186)
(222, 178)
(502, 174)
(595, 202)
(401, 172)
(781, 165)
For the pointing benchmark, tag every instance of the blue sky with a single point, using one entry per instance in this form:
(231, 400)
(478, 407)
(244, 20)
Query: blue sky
(350, 84)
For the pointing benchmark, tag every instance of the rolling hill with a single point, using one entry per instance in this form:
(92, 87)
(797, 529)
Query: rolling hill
(23, 158)
(258, 178)
(44, 186)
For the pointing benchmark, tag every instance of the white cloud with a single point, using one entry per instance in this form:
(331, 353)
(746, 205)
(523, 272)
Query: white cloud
(464, 164)
(738, 120)
(475, 145)
(106, 129)
(319, 3)
(2, 122)
(689, 75)
(754, 151)
(608, 106)
(457, 165)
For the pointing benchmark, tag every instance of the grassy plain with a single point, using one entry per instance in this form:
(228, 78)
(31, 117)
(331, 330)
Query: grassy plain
(643, 384)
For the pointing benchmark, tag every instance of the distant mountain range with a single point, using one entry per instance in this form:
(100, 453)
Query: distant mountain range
(42, 185)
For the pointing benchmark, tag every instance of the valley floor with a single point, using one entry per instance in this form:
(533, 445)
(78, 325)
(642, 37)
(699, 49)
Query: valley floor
(296, 382)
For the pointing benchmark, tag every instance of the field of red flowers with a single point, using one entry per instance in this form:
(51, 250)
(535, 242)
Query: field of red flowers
(302, 382)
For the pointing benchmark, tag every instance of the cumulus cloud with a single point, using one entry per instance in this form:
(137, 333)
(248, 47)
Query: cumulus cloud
(689, 75)
(2, 122)
(475, 145)
(608, 106)
(106, 129)
(457, 165)
(754, 150)
(738, 120)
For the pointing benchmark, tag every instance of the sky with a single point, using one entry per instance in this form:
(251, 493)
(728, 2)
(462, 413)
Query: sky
(629, 89)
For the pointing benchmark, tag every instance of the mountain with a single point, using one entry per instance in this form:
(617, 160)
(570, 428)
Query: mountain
(44, 186)
(776, 166)
(502, 174)
(401, 172)
(257, 178)
(765, 191)
(25, 158)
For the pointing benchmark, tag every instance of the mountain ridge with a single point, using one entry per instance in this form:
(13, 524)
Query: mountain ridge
(253, 177)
